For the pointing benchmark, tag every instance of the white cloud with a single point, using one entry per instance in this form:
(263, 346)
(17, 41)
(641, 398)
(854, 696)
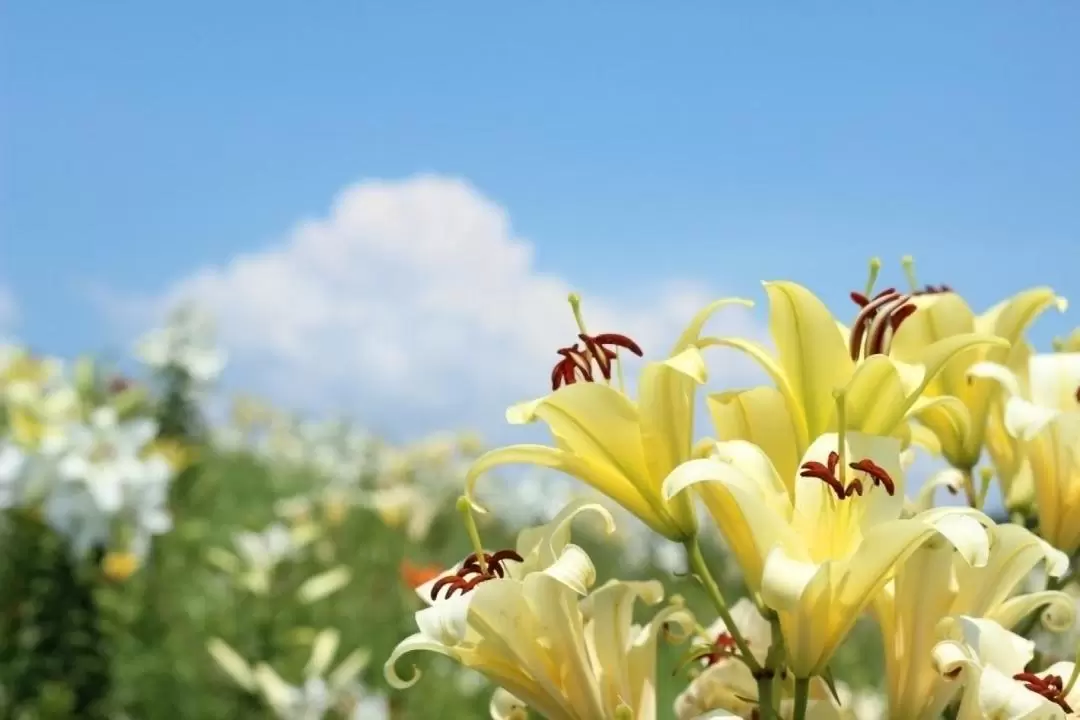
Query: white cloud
(412, 305)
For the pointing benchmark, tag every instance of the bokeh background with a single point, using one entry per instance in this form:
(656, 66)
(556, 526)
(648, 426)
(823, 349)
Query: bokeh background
(382, 207)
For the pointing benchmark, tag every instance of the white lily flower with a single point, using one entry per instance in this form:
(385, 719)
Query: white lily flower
(321, 691)
(990, 663)
(105, 455)
(187, 342)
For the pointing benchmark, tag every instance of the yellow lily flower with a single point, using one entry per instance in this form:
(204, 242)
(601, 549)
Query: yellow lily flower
(1069, 343)
(528, 621)
(623, 449)
(955, 409)
(1046, 421)
(934, 584)
(819, 556)
(990, 663)
(814, 357)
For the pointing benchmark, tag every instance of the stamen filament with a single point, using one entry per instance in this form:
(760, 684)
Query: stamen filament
(465, 508)
(588, 353)
(875, 268)
(909, 270)
(575, 306)
(841, 433)
(1074, 675)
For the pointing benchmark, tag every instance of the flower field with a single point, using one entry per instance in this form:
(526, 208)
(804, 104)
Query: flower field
(163, 563)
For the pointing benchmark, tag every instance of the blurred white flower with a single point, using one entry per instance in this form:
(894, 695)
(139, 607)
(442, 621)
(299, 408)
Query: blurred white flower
(669, 556)
(12, 471)
(321, 691)
(186, 342)
(106, 455)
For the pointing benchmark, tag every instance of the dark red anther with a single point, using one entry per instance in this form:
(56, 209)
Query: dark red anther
(827, 474)
(878, 474)
(462, 581)
(934, 290)
(878, 320)
(577, 362)
(724, 647)
(118, 385)
(1051, 687)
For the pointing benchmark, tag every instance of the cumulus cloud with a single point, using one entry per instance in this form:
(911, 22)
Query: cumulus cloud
(412, 305)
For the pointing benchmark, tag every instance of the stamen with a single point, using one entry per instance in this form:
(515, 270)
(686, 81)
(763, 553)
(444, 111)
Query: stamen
(1051, 687)
(1077, 394)
(878, 474)
(471, 566)
(724, 645)
(577, 363)
(840, 398)
(465, 508)
(877, 322)
(908, 262)
(875, 268)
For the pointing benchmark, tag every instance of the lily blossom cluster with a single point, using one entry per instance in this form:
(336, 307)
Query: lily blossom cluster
(805, 480)
(79, 450)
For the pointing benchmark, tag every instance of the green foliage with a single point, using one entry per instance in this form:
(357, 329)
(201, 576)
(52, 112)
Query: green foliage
(55, 658)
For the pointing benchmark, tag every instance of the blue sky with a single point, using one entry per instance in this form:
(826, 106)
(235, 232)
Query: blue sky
(713, 142)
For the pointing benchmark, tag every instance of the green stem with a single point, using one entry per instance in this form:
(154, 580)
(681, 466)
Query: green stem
(765, 696)
(698, 567)
(970, 494)
(802, 696)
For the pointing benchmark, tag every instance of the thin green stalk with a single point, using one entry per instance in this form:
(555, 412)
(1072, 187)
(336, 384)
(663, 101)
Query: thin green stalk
(802, 696)
(765, 696)
(698, 567)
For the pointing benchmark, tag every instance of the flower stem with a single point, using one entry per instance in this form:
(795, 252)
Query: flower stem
(765, 697)
(698, 567)
(802, 696)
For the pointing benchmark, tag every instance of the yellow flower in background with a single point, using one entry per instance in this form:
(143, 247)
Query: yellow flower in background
(119, 566)
(816, 356)
(1046, 421)
(956, 409)
(990, 664)
(934, 584)
(820, 555)
(1069, 343)
(621, 448)
(528, 620)
(178, 455)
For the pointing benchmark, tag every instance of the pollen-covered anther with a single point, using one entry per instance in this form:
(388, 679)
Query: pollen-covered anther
(878, 474)
(878, 320)
(577, 362)
(827, 474)
(471, 574)
(934, 290)
(1051, 687)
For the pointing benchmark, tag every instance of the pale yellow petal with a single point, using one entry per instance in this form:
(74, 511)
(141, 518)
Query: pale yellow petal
(323, 651)
(812, 353)
(413, 643)
(761, 416)
(600, 477)
(1054, 380)
(764, 358)
(692, 334)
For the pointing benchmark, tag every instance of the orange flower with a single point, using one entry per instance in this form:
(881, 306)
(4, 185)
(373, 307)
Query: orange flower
(414, 575)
